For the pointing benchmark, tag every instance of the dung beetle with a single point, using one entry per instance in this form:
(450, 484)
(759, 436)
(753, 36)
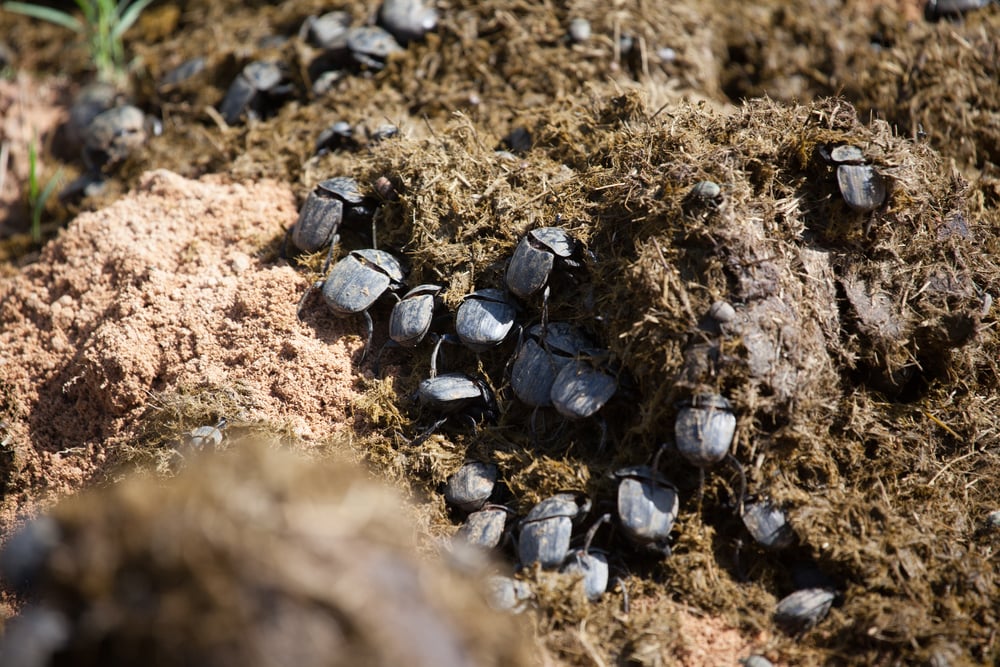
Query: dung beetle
(704, 429)
(508, 594)
(411, 318)
(484, 528)
(370, 46)
(470, 487)
(26, 552)
(539, 253)
(253, 90)
(541, 354)
(456, 395)
(332, 202)
(356, 282)
(591, 565)
(407, 20)
(938, 9)
(546, 531)
(647, 506)
(862, 187)
(703, 432)
(113, 135)
(484, 319)
(768, 524)
(581, 389)
(803, 609)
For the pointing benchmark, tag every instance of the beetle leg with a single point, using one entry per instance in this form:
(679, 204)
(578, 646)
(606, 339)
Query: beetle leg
(437, 347)
(315, 286)
(329, 253)
(419, 440)
(743, 482)
(701, 486)
(621, 584)
(605, 518)
(378, 357)
(284, 244)
(604, 434)
(369, 326)
(545, 312)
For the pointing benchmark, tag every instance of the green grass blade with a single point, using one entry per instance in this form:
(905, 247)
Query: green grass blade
(46, 14)
(43, 198)
(129, 17)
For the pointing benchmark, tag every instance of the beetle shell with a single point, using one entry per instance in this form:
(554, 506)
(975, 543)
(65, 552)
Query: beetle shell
(183, 72)
(263, 76)
(484, 319)
(580, 390)
(534, 258)
(704, 430)
(483, 528)
(936, 9)
(470, 487)
(756, 661)
(407, 20)
(847, 154)
(722, 312)
(318, 221)
(593, 567)
(451, 392)
(26, 550)
(358, 280)
(206, 437)
(370, 46)
(328, 31)
(113, 135)
(546, 531)
(535, 369)
(862, 187)
(411, 318)
(507, 594)
(647, 505)
(767, 524)
(579, 29)
(706, 191)
(803, 609)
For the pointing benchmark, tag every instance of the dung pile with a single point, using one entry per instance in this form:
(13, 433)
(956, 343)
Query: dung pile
(859, 352)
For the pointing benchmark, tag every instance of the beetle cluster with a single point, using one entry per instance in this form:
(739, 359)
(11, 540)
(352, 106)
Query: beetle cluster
(555, 365)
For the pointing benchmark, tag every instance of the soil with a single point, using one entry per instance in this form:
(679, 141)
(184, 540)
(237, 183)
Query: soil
(861, 356)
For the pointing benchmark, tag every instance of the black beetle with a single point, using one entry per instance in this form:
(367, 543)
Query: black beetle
(407, 20)
(768, 524)
(862, 187)
(536, 256)
(257, 86)
(937, 9)
(471, 486)
(337, 136)
(26, 552)
(803, 609)
(356, 282)
(411, 318)
(508, 594)
(484, 528)
(456, 395)
(647, 506)
(703, 432)
(541, 354)
(484, 319)
(581, 389)
(370, 46)
(546, 531)
(591, 565)
(332, 202)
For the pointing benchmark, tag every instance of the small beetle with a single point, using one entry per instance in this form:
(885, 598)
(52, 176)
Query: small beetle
(456, 395)
(647, 506)
(803, 609)
(370, 46)
(591, 565)
(470, 487)
(338, 136)
(937, 9)
(356, 282)
(545, 532)
(862, 187)
(581, 389)
(703, 432)
(536, 256)
(328, 31)
(508, 594)
(407, 20)
(541, 355)
(767, 524)
(332, 202)
(112, 135)
(206, 437)
(484, 319)
(756, 661)
(704, 429)
(411, 318)
(259, 84)
(706, 192)
(484, 528)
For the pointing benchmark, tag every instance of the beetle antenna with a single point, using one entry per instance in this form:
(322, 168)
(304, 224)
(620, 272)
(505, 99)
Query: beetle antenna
(605, 518)
(656, 457)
